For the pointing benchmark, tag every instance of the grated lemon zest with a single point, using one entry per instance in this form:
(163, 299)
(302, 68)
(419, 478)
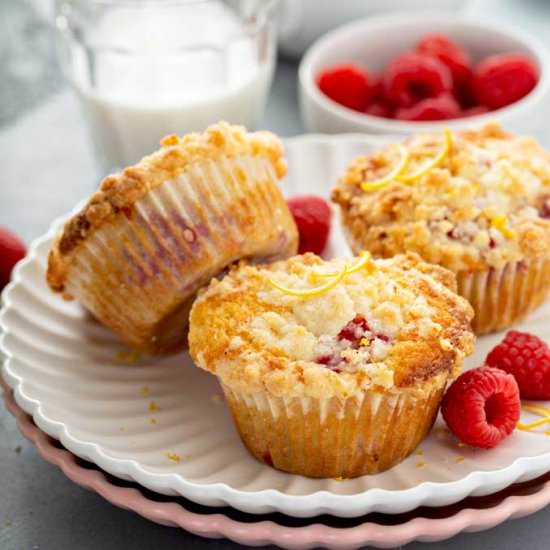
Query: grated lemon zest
(501, 223)
(394, 174)
(433, 163)
(310, 292)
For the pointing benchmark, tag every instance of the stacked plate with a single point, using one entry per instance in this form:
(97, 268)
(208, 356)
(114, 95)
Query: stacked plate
(160, 440)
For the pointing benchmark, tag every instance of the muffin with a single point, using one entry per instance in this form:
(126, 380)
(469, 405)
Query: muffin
(475, 202)
(143, 244)
(330, 368)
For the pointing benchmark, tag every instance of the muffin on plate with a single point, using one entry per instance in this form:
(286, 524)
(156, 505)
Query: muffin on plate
(475, 202)
(332, 368)
(141, 247)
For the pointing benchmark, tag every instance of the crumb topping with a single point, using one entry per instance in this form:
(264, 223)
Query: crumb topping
(359, 333)
(485, 203)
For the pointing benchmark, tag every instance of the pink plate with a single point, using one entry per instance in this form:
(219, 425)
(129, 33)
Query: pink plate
(382, 531)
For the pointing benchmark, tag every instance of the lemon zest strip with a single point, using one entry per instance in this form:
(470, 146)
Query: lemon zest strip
(394, 174)
(364, 258)
(536, 409)
(532, 425)
(304, 293)
(436, 161)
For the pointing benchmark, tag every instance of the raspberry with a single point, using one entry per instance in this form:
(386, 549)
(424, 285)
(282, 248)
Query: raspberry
(412, 77)
(482, 407)
(503, 79)
(348, 85)
(12, 250)
(438, 108)
(312, 216)
(379, 109)
(527, 358)
(376, 88)
(450, 54)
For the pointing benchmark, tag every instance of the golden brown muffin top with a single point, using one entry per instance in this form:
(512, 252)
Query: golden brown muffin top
(118, 192)
(485, 204)
(393, 324)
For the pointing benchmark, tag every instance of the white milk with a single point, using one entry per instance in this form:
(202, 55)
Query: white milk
(169, 71)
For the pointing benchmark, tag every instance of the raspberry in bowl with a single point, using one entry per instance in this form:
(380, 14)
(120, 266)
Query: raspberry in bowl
(312, 352)
(432, 68)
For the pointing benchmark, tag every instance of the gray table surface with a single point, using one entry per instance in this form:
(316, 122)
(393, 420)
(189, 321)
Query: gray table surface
(46, 166)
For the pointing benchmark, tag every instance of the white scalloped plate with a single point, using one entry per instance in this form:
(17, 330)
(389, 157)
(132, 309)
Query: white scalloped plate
(62, 366)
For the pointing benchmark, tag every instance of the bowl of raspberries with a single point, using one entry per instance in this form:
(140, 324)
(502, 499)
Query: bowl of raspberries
(400, 73)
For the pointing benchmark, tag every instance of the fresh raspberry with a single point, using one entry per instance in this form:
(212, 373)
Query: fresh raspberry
(312, 216)
(527, 358)
(412, 77)
(348, 85)
(474, 111)
(12, 250)
(482, 406)
(450, 54)
(379, 109)
(503, 79)
(376, 88)
(438, 108)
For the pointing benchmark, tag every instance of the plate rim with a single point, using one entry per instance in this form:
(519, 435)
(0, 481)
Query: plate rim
(426, 493)
(217, 525)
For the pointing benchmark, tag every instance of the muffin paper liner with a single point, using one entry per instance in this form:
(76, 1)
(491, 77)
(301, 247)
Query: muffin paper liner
(502, 297)
(363, 434)
(138, 273)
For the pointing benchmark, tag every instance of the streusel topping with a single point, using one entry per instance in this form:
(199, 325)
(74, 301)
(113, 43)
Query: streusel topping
(485, 203)
(393, 322)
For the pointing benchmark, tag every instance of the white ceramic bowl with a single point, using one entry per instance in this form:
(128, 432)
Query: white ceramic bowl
(302, 21)
(375, 41)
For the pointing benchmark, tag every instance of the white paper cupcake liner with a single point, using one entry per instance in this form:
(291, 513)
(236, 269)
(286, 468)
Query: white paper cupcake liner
(502, 297)
(364, 434)
(138, 273)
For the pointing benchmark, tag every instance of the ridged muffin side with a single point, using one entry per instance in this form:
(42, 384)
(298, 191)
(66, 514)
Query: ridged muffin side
(151, 236)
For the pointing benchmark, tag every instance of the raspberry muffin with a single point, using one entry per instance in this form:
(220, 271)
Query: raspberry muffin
(143, 244)
(332, 368)
(475, 202)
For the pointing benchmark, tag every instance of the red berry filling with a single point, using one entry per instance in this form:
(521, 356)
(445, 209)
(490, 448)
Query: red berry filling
(353, 335)
(312, 217)
(482, 407)
(354, 330)
(527, 358)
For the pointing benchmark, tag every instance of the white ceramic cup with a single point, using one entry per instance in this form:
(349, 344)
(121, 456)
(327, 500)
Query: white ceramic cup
(375, 41)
